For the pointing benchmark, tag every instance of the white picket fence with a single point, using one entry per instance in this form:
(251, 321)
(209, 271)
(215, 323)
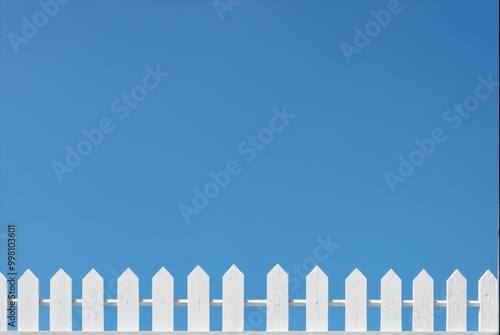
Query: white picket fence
(277, 302)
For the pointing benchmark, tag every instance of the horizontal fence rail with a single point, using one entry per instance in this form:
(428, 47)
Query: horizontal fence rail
(277, 302)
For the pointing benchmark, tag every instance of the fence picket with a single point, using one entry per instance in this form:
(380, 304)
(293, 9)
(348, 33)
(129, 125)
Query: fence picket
(423, 302)
(316, 300)
(163, 301)
(391, 302)
(198, 300)
(28, 300)
(128, 302)
(60, 302)
(277, 300)
(92, 302)
(233, 300)
(456, 302)
(355, 302)
(488, 302)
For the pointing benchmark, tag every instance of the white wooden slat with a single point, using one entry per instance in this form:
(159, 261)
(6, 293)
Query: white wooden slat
(456, 302)
(391, 302)
(233, 288)
(198, 300)
(355, 302)
(488, 302)
(423, 302)
(316, 300)
(60, 302)
(3, 303)
(163, 301)
(277, 300)
(128, 302)
(92, 302)
(28, 297)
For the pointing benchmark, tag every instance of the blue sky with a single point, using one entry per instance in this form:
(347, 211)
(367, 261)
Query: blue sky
(326, 123)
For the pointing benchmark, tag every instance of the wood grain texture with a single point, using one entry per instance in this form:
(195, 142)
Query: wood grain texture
(92, 302)
(488, 302)
(60, 302)
(316, 300)
(163, 301)
(128, 302)
(198, 300)
(28, 296)
(423, 302)
(355, 302)
(233, 288)
(277, 300)
(391, 302)
(456, 299)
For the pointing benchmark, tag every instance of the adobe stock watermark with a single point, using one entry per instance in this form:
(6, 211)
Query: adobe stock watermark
(363, 37)
(222, 6)
(422, 320)
(109, 290)
(31, 26)
(454, 118)
(249, 149)
(325, 248)
(122, 107)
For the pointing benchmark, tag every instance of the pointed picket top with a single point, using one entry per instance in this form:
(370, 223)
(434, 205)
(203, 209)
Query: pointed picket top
(277, 299)
(390, 276)
(162, 274)
(317, 300)
(425, 281)
(423, 276)
(233, 271)
(423, 302)
(198, 272)
(278, 272)
(3, 302)
(355, 301)
(356, 275)
(92, 302)
(316, 273)
(92, 274)
(60, 274)
(487, 276)
(128, 274)
(128, 302)
(28, 302)
(457, 277)
(60, 302)
(233, 286)
(198, 300)
(163, 301)
(456, 280)
(488, 302)
(28, 275)
(59, 280)
(391, 302)
(456, 302)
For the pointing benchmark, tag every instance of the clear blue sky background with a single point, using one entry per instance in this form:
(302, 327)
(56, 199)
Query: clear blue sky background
(323, 175)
